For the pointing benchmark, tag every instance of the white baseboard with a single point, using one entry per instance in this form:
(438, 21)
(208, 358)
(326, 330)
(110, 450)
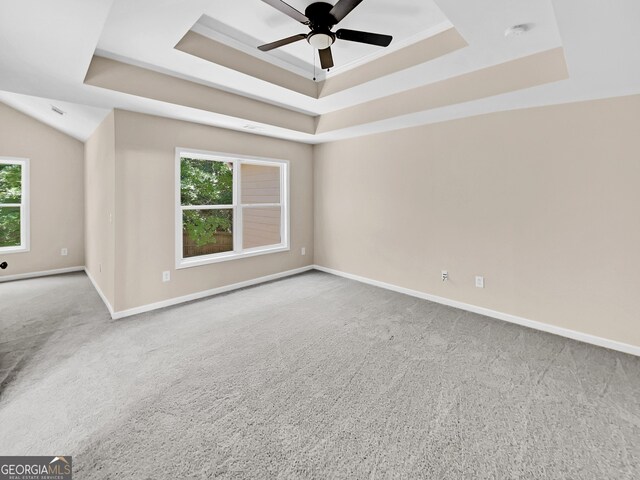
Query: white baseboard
(46, 273)
(545, 327)
(102, 295)
(206, 293)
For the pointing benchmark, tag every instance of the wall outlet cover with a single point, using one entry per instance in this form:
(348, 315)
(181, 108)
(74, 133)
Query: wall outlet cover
(166, 276)
(479, 282)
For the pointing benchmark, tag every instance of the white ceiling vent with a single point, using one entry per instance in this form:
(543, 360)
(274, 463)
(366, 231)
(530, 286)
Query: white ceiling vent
(517, 30)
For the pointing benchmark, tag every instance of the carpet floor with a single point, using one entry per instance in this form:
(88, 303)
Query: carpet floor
(313, 376)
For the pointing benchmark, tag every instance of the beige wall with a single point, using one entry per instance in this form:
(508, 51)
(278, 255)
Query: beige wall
(99, 183)
(56, 187)
(145, 210)
(543, 202)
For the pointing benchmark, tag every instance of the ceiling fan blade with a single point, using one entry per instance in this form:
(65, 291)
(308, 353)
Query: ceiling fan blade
(343, 8)
(282, 43)
(364, 37)
(326, 58)
(288, 10)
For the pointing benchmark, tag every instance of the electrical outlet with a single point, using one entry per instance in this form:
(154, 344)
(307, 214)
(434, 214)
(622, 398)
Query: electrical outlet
(303, 251)
(445, 275)
(479, 282)
(64, 252)
(166, 276)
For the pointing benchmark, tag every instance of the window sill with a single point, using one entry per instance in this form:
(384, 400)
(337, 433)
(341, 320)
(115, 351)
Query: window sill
(224, 257)
(8, 250)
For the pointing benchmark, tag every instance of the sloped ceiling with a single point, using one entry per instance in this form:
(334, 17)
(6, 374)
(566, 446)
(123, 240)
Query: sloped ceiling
(197, 60)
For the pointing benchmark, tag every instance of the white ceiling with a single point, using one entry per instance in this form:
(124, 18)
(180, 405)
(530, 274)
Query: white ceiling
(47, 48)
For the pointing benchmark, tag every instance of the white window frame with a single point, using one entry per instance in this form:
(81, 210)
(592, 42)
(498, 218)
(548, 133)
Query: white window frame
(24, 205)
(236, 206)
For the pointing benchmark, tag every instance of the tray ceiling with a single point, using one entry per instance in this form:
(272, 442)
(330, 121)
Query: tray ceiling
(449, 59)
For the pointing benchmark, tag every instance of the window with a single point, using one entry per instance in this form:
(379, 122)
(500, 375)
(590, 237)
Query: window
(229, 207)
(14, 205)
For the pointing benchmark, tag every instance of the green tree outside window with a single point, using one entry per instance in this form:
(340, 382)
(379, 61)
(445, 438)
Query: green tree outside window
(205, 182)
(10, 193)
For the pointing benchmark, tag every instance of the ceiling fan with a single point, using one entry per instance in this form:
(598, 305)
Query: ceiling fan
(320, 17)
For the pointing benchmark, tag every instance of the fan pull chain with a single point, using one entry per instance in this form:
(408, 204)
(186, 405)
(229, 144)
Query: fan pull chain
(314, 64)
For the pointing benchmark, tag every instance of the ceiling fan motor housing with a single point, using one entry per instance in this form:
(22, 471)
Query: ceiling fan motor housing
(319, 15)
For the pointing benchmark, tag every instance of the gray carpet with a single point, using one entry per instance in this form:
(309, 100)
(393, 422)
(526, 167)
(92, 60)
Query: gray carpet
(313, 376)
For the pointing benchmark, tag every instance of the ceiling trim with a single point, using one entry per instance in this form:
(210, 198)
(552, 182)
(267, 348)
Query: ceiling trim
(219, 53)
(214, 51)
(423, 51)
(133, 80)
(526, 72)
(537, 69)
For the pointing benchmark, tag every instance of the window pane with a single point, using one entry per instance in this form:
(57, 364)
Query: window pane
(9, 226)
(205, 232)
(261, 227)
(10, 183)
(205, 182)
(260, 184)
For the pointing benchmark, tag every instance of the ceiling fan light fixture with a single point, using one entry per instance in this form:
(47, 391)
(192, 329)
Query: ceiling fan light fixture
(321, 41)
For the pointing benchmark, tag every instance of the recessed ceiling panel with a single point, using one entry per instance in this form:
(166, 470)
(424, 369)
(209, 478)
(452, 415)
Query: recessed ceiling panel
(253, 23)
